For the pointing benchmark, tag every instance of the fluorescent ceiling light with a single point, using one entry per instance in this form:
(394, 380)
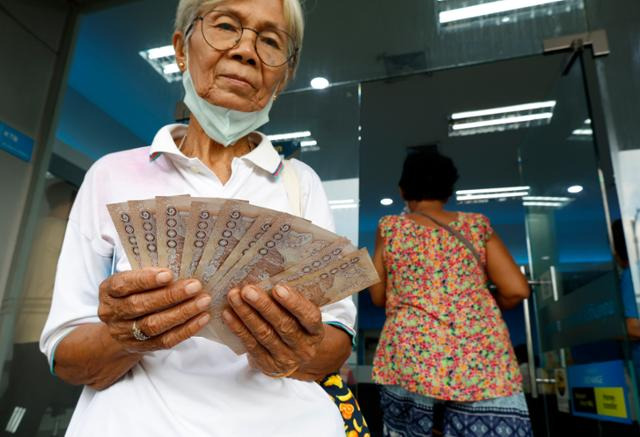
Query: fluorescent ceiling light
(575, 189)
(545, 204)
(319, 83)
(493, 190)
(504, 110)
(386, 201)
(491, 196)
(170, 69)
(163, 60)
(584, 132)
(547, 199)
(490, 8)
(290, 135)
(308, 143)
(161, 52)
(341, 202)
(502, 121)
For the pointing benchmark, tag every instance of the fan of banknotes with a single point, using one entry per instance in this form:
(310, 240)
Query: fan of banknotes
(227, 243)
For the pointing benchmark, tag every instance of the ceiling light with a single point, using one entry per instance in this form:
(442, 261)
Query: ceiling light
(308, 143)
(501, 118)
(161, 52)
(289, 135)
(587, 121)
(319, 83)
(491, 8)
(163, 60)
(386, 201)
(575, 189)
(547, 199)
(584, 132)
(343, 204)
(502, 121)
(505, 110)
(544, 204)
(472, 197)
(493, 190)
(170, 69)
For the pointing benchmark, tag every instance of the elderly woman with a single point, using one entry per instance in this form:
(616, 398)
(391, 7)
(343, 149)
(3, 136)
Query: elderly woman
(444, 339)
(236, 56)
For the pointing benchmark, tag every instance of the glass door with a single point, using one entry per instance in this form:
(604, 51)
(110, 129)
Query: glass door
(584, 381)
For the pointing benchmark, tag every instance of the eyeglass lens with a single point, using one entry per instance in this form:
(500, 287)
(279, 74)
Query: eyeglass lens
(223, 31)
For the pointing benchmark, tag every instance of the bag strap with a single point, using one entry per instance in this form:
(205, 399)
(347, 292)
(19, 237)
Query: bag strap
(456, 234)
(292, 187)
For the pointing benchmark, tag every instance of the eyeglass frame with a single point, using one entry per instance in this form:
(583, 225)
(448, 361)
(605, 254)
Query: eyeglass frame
(242, 29)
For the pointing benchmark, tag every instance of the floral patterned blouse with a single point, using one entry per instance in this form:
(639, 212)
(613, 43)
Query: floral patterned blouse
(444, 335)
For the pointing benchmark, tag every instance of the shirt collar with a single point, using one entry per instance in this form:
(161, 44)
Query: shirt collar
(264, 155)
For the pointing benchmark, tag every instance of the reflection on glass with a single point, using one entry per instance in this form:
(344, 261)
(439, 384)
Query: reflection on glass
(32, 400)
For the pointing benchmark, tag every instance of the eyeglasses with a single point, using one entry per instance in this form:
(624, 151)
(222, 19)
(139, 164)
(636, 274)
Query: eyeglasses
(223, 31)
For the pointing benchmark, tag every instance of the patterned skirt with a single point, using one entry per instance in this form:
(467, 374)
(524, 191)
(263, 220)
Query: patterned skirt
(354, 423)
(407, 414)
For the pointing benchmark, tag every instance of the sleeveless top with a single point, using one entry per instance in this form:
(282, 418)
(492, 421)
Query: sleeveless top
(444, 336)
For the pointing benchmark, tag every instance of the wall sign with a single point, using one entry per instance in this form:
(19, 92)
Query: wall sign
(599, 391)
(15, 142)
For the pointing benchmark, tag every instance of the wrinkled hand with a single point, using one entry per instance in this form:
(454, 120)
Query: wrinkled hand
(281, 332)
(165, 311)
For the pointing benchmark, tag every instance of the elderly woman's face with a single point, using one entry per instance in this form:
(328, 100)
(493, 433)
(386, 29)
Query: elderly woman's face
(237, 78)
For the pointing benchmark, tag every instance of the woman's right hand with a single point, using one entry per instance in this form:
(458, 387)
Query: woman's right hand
(165, 311)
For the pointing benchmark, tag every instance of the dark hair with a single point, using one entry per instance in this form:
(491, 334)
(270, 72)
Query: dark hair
(619, 245)
(428, 175)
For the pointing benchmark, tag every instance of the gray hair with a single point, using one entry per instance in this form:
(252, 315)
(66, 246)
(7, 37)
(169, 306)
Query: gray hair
(188, 10)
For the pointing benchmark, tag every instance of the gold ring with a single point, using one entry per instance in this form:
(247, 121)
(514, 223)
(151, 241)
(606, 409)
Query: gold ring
(137, 333)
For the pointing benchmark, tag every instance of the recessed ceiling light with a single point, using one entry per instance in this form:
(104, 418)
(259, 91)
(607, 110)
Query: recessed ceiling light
(386, 201)
(161, 52)
(584, 132)
(501, 118)
(502, 121)
(484, 194)
(575, 189)
(343, 204)
(289, 135)
(550, 104)
(490, 8)
(493, 190)
(319, 83)
(163, 60)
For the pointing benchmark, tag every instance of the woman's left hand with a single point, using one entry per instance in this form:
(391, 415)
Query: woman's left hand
(282, 332)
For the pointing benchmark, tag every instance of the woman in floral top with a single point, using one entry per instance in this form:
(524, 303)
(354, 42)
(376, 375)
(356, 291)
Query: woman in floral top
(444, 338)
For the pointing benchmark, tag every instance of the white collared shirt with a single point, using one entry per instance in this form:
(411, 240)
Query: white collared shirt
(199, 387)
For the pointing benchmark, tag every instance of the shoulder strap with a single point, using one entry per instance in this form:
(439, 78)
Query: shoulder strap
(456, 234)
(292, 187)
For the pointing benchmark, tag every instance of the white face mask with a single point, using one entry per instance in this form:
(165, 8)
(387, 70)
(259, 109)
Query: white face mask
(225, 126)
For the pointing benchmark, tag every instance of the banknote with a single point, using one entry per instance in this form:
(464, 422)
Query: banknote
(234, 221)
(121, 218)
(173, 213)
(143, 217)
(336, 280)
(339, 279)
(202, 219)
(258, 230)
(290, 240)
(334, 251)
